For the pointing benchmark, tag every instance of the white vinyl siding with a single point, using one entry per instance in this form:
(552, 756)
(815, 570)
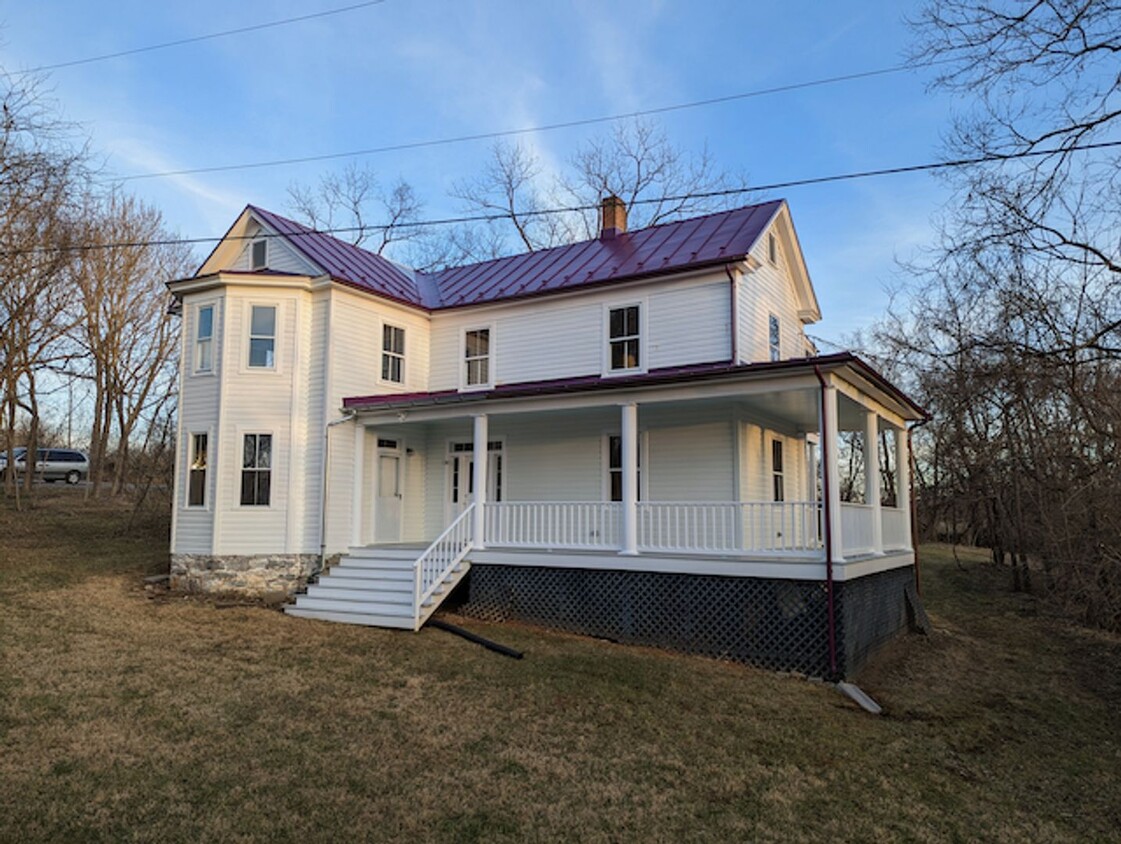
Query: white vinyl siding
(282, 257)
(765, 292)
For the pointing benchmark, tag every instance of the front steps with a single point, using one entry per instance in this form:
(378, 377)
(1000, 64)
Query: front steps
(374, 587)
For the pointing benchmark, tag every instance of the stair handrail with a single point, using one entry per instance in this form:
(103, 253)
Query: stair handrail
(449, 548)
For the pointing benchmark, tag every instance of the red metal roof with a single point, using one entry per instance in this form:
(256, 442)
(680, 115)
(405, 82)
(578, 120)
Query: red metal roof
(669, 247)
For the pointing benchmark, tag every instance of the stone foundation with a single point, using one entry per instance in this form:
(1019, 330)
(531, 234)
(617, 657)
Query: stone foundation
(257, 575)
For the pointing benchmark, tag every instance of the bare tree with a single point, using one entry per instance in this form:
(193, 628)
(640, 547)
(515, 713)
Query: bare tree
(126, 332)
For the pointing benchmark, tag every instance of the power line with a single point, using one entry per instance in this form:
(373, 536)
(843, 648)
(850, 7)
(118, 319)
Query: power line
(195, 39)
(529, 130)
(486, 218)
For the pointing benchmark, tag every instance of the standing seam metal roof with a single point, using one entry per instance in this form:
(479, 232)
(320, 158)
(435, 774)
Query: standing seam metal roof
(668, 247)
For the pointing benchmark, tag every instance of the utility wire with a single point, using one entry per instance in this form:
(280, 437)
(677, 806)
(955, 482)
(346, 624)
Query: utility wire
(486, 218)
(529, 130)
(195, 39)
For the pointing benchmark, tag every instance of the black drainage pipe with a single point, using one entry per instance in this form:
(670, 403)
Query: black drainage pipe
(472, 637)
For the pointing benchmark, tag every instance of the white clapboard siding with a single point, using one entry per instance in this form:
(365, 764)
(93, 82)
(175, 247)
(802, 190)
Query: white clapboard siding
(766, 290)
(279, 256)
(690, 463)
(684, 322)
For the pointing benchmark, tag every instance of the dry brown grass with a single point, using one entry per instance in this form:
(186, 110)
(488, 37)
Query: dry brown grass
(125, 718)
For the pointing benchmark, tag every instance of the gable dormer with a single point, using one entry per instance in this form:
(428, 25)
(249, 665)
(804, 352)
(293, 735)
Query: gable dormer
(252, 245)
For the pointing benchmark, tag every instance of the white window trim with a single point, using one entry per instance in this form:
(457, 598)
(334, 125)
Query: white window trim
(247, 327)
(207, 493)
(461, 358)
(404, 354)
(194, 340)
(643, 338)
(274, 486)
(253, 248)
(774, 350)
(643, 466)
(449, 452)
(771, 440)
(772, 249)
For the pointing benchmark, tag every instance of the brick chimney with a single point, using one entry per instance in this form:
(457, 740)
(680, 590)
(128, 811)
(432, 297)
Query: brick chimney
(613, 218)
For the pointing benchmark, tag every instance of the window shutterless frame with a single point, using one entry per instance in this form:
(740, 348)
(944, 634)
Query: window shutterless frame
(259, 254)
(777, 477)
(262, 336)
(774, 337)
(204, 338)
(256, 470)
(392, 353)
(477, 369)
(197, 466)
(625, 348)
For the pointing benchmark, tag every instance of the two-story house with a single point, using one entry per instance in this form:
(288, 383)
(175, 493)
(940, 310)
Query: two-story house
(630, 437)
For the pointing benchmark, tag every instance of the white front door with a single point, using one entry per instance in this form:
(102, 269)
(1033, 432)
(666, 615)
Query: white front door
(387, 526)
(461, 476)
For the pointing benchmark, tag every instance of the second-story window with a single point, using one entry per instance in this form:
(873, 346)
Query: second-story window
(774, 337)
(776, 471)
(476, 357)
(262, 336)
(204, 339)
(623, 338)
(393, 354)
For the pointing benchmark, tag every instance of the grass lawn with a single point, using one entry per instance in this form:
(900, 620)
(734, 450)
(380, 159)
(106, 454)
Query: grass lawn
(128, 718)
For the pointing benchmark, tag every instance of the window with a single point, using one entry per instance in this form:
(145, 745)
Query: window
(256, 470)
(393, 354)
(776, 470)
(774, 336)
(260, 254)
(196, 478)
(262, 336)
(476, 356)
(615, 469)
(772, 248)
(623, 338)
(204, 339)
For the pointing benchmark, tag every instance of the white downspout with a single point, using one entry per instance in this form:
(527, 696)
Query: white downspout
(323, 500)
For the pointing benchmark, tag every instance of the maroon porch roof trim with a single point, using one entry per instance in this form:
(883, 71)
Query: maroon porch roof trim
(659, 377)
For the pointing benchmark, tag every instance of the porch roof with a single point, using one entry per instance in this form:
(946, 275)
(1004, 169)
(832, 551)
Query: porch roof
(842, 362)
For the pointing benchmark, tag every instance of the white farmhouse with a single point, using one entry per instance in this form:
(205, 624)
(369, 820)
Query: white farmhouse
(629, 437)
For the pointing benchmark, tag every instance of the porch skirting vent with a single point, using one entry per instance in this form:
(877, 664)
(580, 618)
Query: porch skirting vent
(771, 623)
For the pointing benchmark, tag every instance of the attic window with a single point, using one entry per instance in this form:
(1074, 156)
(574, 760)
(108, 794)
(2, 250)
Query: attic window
(260, 254)
(772, 249)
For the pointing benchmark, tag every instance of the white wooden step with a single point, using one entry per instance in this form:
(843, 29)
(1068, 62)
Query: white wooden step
(382, 575)
(375, 563)
(355, 589)
(395, 621)
(355, 602)
(375, 553)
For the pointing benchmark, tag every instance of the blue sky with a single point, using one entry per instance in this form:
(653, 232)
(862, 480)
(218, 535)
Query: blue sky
(409, 70)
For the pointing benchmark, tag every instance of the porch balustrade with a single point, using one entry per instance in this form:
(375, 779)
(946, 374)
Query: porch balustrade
(729, 527)
(895, 529)
(857, 529)
(553, 524)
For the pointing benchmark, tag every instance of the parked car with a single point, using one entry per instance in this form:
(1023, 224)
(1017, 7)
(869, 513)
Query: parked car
(51, 464)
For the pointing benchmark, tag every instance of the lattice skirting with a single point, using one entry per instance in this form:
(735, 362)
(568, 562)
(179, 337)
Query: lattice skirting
(772, 623)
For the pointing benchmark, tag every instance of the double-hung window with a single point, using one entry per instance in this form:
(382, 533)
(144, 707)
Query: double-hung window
(393, 354)
(774, 337)
(256, 470)
(204, 339)
(476, 357)
(262, 336)
(196, 484)
(615, 469)
(623, 338)
(776, 471)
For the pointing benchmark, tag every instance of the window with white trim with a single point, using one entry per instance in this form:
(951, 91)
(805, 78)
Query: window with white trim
(623, 338)
(204, 338)
(259, 254)
(476, 357)
(774, 337)
(393, 354)
(777, 478)
(256, 470)
(772, 248)
(615, 469)
(196, 475)
(262, 336)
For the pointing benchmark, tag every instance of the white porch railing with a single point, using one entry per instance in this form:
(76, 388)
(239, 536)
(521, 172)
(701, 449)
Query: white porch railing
(443, 555)
(552, 524)
(857, 529)
(729, 527)
(895, 529)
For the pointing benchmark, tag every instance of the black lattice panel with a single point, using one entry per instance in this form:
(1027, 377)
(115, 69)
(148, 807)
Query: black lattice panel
(776, 624)
(871, 610)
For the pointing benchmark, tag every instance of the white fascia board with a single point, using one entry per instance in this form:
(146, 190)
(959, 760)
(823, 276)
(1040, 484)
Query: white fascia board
(182, 287)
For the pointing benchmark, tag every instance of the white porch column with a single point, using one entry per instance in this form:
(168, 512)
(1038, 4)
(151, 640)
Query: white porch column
(831, 486)
(628, 434)
(903, 481)
(872, 478)
(358, 490)
(479, 480)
